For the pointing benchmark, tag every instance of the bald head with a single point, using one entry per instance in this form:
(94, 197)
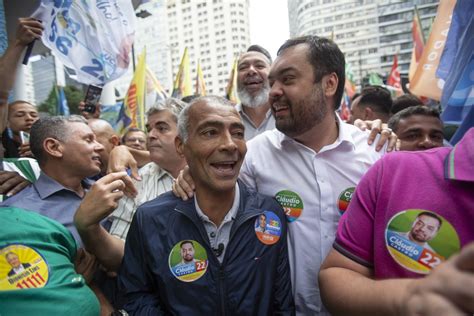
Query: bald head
(107, 137)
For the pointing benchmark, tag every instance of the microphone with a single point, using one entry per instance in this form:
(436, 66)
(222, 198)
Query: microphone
(219, 250)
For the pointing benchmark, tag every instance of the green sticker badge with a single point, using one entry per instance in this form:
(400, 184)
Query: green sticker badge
(291, 203)
(344, 198)
(21, 267)
(420, 240)
(188, 260)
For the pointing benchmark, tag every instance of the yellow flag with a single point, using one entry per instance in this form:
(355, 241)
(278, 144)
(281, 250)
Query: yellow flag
(182, 84)
(424, 82)
(231, 89)
(200, 84)
(154, 85)
(134, 102)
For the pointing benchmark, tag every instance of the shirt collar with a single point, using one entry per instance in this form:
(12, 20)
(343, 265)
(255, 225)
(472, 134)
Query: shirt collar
(459, 163)
(231, 214)
(239, 107)
(47, 186)
(344, 136)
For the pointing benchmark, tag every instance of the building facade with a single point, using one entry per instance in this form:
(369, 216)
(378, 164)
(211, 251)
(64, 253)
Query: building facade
(368, 32)
(214, 31)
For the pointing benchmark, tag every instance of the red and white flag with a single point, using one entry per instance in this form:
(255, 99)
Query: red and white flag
(394, 78)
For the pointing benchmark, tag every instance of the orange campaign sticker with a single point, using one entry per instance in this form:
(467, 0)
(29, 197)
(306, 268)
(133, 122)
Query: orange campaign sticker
(268, 228)
(21, 267)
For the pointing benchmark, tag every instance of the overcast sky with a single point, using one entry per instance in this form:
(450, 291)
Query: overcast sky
(269, 23)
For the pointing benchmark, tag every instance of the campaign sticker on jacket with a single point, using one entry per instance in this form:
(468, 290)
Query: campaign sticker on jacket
(420, 240)
(268, 228)
(291, 203)
(344, 199)
(188, 260)
(21, 267)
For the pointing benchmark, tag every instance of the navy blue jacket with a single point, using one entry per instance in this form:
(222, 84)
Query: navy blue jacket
(253, 279)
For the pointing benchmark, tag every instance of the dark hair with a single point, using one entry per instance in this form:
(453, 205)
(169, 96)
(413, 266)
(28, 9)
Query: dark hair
(131, 130)
(325, 57)
(413, 110)
(190, 98)
(432, 215)
(50, 127)
(186, 242)
(377, 98)
(405, 101)
(261, 50)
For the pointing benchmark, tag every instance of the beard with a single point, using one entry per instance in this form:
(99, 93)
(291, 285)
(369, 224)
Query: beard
(303, 114)
(259, 99)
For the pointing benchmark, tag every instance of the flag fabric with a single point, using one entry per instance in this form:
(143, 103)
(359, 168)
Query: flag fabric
(231, 89)
(182, 84)
(132, 113)
(63, 108)
(394, 79)
(375, 80)
(424, 81)
(92, 37)
(349, 85)
(200, 84)
(154, 90)
(456, 68)
(418, 43)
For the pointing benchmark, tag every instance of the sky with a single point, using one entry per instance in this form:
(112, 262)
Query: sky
(269, 26)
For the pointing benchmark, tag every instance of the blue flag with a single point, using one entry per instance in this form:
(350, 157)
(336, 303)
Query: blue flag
(63, 108)
(456, 68)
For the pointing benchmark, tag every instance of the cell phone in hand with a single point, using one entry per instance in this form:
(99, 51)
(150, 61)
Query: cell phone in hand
(92, 98)
(25, 137)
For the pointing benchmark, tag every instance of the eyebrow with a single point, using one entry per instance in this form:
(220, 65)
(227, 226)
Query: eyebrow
(281, 72)
(218, 123)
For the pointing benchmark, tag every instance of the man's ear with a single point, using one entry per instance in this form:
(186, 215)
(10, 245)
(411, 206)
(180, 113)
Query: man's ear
(330, 85)
(114, 140)
(53, 147)
(179, 144)
(368, 114)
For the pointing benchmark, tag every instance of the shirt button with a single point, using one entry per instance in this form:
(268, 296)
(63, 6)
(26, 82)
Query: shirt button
(213, 234)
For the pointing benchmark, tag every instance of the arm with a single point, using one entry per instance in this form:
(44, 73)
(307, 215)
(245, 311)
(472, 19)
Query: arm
(98, 203)
(348, 289)
(11, 183)
(28, 30)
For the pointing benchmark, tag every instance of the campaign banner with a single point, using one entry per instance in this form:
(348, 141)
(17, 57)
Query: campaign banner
(92, 37)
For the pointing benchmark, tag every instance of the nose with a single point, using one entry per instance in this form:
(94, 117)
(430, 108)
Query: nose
(427, 142)
(227, 142)
(98, 146)
(275, 92)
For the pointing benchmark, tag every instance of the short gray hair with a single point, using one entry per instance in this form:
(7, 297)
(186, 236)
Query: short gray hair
(175, 106)
(50, 127)
(183, 118)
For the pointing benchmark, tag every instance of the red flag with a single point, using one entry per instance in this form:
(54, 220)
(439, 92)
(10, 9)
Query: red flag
(418, 43)
(394, 78)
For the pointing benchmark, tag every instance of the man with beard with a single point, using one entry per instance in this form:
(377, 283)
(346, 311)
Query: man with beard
(253, 89)
(312, 161)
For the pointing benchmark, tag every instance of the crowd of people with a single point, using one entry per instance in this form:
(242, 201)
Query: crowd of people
(273, 206)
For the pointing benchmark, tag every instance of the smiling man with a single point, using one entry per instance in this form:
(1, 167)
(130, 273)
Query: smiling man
(236, 271)
(253, 89)
(67, 152)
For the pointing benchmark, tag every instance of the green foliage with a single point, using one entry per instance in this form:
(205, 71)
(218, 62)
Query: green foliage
(73, 97)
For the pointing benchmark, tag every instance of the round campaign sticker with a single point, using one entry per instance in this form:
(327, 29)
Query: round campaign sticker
(21, 267)
(420, 240)
(344, 199)
(188, 260)
(291, 203)
(268, 228)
